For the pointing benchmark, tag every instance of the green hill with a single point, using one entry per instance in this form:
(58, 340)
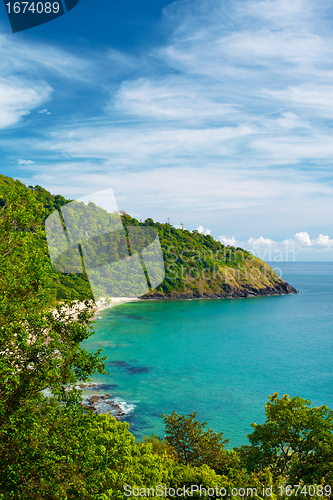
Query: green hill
(196, 265)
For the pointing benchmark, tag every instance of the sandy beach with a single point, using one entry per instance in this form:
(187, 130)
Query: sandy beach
(103, 304)
(100, 305)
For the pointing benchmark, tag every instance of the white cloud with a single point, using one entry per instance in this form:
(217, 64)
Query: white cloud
(18, 98)
(228, 241)
(259, 242)
(25, 69)
(265, 46)
(121, 63)
(42, 60)
(314, 96)
(324, 241)
(282, 12)
(148, 145)
(186, 189)
(231, 40)
(203, 230)
(44, 111)
(240, 72)
(25, 162)
(172, 98)
(290, 120)
(303, 238)
(299, 247)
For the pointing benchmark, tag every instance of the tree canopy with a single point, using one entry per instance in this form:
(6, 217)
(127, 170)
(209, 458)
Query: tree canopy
(193, 444)
(295, 442)
(40, 346)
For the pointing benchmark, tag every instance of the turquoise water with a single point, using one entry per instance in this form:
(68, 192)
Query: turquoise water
(221, 358)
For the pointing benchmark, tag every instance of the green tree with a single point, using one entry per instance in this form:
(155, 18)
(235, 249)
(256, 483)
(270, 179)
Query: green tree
(295, 442)
(61, 454)
(40, 347)
(159, 446)
(193, 444)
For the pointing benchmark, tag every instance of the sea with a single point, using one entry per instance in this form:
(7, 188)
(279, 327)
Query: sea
(221, 358)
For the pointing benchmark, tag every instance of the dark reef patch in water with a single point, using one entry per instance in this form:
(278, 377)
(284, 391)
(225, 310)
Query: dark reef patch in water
(108, 387)
(119, 363)
(133, 370)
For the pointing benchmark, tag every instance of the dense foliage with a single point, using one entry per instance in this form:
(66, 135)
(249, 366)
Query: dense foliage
(40, 348)
(295, 442)
(63, 453)
(197, 265)
(193, 445)
(66, 454)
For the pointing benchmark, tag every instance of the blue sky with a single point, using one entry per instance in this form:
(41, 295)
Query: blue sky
(216, 114)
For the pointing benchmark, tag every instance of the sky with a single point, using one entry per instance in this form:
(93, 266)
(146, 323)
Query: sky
(213, 114)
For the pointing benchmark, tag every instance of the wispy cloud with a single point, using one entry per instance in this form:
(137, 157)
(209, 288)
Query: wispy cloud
(30, 73)
(225, 200)
(25, 162)
(226, 125)
(41, 60)
(18, 98)
(230, 73)
(173, 98)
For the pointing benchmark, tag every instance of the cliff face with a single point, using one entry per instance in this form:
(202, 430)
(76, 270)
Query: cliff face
(253, 280)
(282, 288)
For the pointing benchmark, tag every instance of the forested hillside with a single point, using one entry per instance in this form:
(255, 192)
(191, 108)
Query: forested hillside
(196, 265)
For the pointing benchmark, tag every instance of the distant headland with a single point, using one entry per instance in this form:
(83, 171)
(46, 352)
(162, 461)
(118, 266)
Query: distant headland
(196, 265)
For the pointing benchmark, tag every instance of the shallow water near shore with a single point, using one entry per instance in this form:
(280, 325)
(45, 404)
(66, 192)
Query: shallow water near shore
(221, 358)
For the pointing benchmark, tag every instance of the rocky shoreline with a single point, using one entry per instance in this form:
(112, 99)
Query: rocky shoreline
(93, 400)
(279, 288)
(230, 291)
(104, 403)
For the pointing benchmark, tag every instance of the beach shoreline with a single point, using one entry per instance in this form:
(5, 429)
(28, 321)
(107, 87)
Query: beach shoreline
(99, 305)
(103, 304)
